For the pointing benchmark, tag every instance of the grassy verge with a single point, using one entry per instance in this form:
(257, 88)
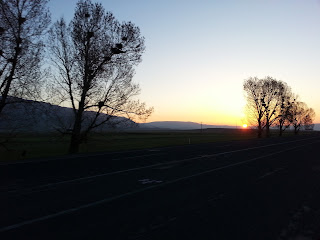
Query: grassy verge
(24, 146)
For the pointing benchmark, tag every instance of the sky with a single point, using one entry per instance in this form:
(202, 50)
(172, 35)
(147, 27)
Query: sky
(199, 52)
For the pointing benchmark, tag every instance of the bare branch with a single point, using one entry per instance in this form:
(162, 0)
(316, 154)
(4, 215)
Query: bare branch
(95, 57)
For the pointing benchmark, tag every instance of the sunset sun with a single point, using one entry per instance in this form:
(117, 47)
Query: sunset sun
(244, 125)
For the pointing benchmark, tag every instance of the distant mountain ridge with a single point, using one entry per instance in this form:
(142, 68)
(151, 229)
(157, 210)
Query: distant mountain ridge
(180, 125)
(22, 115)
(33, 116)
(177, 125)
(316, 127)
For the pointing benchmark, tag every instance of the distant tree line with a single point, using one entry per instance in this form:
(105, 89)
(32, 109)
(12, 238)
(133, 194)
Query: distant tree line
(92, 60)
(271, 103)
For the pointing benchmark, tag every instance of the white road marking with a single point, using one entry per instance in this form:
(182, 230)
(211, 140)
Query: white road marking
(270, 173)
(145, 155)
(148, 181)
(44, 187)
(106, 200)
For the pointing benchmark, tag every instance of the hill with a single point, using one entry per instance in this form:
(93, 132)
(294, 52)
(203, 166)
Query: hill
(177, 125)
(22, 115)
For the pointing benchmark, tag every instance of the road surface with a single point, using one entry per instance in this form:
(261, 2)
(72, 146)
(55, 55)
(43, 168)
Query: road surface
(252, 189)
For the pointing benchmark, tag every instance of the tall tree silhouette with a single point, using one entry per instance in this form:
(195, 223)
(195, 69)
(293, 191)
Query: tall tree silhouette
(301, 115)
(265, 98)
(95, 57)
(22, 25)
(255, 108)
(287, 102)
(308, 119)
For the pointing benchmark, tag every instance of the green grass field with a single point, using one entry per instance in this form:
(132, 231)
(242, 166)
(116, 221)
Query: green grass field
(24, 146)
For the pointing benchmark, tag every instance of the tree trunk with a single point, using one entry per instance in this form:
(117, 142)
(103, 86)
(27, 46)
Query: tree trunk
(75, 137)
(267, 129)
(5, 93)
(76, 131)
(259, 130)
(280, 128)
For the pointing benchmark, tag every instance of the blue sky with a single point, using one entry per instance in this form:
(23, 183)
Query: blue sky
(198, 53)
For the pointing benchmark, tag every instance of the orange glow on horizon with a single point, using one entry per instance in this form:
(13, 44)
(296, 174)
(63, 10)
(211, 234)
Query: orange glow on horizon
(206, 117)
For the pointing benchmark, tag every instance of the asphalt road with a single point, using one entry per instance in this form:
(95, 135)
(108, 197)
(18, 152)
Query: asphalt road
(253, 189)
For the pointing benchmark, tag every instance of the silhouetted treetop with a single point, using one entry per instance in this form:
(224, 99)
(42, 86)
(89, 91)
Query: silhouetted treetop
(95, 56)
(22, 26)
(270, 102)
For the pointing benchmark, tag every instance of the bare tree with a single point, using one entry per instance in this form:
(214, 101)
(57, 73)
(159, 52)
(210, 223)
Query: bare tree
(95, 57)
(22, 25)
(298, 112)
(272, 92)
(308, 119)
(254, 108)
(270, 102)
(264, 97)
(283, 115)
